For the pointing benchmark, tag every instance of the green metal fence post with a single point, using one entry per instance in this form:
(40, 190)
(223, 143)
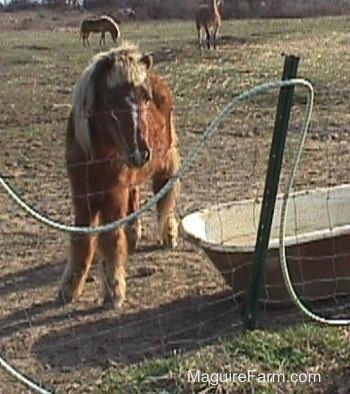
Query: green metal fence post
(284, 106)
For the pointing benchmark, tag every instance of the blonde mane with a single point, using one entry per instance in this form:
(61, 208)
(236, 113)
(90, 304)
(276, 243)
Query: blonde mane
(113, 22)
(126, 68)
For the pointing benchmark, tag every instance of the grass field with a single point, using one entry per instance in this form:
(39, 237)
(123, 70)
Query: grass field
(179, 315)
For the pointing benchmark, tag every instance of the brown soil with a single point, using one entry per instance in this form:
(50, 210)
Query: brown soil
(175, 299)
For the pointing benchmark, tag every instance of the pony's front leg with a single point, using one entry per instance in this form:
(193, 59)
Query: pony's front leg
(166, 207)
(215, 36)
(115, 252)
(102, 38)
(114, 246)
(87, 39)
(207, 32)
(134, 230)
(114, 37)
(199, 39)
(82, 250)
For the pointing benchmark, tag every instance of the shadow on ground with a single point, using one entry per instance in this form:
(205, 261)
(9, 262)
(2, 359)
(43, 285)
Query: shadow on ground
(181, 324)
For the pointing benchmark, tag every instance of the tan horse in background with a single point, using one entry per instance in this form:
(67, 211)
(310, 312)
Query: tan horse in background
(120, 134)
(101, 25)
(208, 18)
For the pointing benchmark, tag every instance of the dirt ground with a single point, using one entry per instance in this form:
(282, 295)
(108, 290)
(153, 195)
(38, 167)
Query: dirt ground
(176, 300)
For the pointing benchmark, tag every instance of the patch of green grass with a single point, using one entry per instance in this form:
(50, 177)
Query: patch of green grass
(152, 376)
(301, 349)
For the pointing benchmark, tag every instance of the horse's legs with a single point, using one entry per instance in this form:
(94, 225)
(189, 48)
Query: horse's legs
(82, 250)
(199, 37)
(167, 223)
(134, 229)
(215, 35)
(87, 38)
(114, 246)
(113, 36)
(208, 36)
(102, 39)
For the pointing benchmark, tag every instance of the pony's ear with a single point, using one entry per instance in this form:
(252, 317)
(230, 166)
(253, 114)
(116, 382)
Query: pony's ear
(147, 59)
(110, 60)
(105, 64)
(103, 67)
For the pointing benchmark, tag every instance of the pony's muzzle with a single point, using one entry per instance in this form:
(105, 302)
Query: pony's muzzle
(139, 158)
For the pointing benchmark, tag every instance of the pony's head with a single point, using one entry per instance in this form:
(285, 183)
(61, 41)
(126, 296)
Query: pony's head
(111, 98)
(113, 26)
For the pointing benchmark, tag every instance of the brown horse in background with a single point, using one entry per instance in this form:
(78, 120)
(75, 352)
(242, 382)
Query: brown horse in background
(120, 133)
(208, 18)
(101, 25)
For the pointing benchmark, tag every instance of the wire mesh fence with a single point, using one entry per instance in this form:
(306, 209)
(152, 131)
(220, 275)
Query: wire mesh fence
(176, 299)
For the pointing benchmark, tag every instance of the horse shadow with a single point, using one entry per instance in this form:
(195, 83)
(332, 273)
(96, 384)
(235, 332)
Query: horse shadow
(25, 279)
(180, 325)
(231, 39)
(177, 327)
(79, 338)
(78, 334)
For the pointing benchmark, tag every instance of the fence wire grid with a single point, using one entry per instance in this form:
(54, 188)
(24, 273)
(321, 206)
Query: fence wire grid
(177, 300)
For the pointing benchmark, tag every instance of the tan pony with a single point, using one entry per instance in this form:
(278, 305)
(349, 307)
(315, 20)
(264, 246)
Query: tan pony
(208, 18)
(101, 25)
(120, 133)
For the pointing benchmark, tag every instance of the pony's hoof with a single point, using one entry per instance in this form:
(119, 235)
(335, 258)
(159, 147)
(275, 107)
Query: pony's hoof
(132, 243)
(170, 234)
(133, 233)
(173, 243)
(110, 302)
(63, 298)
(170, 243)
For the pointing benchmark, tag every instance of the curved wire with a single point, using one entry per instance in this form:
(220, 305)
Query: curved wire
(283, 222)
(210, 131)
(212, 128)
(22, 378)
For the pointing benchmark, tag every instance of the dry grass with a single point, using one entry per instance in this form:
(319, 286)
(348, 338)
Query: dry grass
(38, 68)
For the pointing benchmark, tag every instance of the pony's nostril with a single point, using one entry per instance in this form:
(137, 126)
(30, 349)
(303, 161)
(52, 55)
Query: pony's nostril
(135, 159)
(146, 155)
(138, 159)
